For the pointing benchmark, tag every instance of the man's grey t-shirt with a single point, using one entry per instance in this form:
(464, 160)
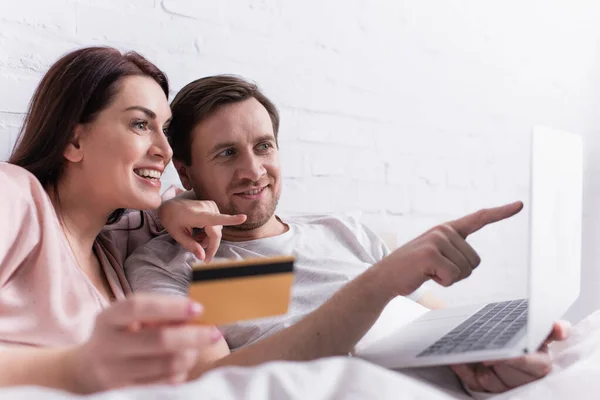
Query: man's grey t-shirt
(329, 251)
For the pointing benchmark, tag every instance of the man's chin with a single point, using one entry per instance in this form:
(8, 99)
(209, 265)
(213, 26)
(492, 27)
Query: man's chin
(249, 225)
(256, 216)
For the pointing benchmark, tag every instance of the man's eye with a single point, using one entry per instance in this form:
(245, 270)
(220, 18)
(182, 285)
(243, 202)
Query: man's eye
(264, 146)
(227, 153)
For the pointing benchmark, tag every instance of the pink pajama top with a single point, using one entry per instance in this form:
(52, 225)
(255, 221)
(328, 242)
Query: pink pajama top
(45, 298)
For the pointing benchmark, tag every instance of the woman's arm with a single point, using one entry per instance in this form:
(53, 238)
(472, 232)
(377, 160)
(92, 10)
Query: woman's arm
(178, 216)
(181, 214)
(21, 231)
(144, 339)
(40, 367)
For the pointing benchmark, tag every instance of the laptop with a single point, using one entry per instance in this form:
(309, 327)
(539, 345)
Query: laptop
(514, 327)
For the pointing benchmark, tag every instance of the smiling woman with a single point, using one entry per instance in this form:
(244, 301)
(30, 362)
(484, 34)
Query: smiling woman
(83, 117)
(93, 144)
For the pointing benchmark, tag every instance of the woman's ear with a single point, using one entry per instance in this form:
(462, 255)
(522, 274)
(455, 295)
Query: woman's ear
(73, 152)
(183, 174)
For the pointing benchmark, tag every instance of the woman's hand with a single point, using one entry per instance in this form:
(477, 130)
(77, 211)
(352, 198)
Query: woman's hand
(171, 192)
(181, 214)
(141, 340)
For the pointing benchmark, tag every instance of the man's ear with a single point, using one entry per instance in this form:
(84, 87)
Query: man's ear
(74, 152)
(182, 170)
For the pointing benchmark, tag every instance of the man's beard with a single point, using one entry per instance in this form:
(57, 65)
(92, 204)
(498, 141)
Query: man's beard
(259, 217)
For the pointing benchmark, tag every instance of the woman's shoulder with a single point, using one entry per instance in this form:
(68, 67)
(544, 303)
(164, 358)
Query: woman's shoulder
(16, 175)
(17, 182)
(14, 170)
(24, 210)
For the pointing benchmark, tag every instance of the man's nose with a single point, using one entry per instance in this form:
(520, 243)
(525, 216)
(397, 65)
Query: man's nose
(251, 167)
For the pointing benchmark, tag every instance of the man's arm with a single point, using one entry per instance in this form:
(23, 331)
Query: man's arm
(333, 329)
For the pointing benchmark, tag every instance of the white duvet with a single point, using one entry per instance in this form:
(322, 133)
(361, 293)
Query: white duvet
(576, 374)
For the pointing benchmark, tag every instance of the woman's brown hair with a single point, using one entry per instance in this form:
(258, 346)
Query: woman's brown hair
(75, 89)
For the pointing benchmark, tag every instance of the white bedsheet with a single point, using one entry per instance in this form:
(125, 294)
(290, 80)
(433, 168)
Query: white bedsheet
(576, 375)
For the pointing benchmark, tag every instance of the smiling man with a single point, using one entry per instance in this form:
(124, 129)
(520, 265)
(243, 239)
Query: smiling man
(209, 158)
(224, 136)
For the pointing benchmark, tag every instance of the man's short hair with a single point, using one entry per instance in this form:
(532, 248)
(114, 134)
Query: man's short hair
(197, 100)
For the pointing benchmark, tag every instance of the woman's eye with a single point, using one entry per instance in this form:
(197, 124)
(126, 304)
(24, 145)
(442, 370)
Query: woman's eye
(141, 125)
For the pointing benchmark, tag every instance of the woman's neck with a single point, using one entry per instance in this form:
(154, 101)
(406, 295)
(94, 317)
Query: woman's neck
(81, 217)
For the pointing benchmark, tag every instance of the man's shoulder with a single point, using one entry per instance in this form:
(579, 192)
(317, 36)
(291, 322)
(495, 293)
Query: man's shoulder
(348, 219)
(161, 250)
(343, 228)
(339, 224)
(159, 265)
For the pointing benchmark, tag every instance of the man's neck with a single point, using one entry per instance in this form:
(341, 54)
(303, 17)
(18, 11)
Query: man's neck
(273, 227)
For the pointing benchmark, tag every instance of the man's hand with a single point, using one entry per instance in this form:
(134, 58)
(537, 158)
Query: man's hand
(441, 254)
(500, 376)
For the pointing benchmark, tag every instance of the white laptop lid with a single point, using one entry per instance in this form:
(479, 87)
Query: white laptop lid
(555, 229)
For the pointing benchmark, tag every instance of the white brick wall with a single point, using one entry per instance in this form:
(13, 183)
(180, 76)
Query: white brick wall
(412, 112)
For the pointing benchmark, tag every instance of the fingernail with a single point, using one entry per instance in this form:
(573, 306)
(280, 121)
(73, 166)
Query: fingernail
(195, 309)
(177, 379)
(215, 335)
(134, 327)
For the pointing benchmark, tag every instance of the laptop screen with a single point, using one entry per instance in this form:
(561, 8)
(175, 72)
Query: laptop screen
(555, 229)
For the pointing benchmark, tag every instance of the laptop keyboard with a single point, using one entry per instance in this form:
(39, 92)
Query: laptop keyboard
(490, 328)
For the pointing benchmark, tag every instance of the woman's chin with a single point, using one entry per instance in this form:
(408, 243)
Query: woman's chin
(149, 202)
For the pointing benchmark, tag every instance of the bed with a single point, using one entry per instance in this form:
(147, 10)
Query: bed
(576, 374)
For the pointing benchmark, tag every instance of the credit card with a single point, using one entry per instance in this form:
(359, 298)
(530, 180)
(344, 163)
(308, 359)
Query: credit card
(241, 290)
